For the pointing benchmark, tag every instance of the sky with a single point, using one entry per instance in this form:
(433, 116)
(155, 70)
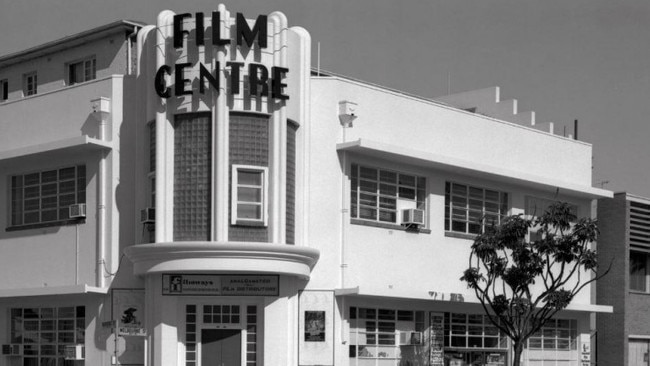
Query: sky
(564, 59)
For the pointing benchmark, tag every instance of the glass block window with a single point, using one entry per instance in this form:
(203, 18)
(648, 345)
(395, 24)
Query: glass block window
(473, 331)
(192, 177)
(375, 193)
(45, 333)
(556, 334)
(190, 335)
(468, 209)
(81, 71)
(30, 84)
(249, 195)
(45, 197)
(251, 335)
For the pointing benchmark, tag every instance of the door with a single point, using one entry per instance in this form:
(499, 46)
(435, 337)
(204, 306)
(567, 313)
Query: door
(220, 347)
(638, 353)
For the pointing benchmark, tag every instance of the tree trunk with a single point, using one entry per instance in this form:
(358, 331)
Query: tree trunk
(518, 348)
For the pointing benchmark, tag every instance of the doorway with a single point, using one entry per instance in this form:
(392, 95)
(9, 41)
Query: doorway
(220, 347)
(638, 352)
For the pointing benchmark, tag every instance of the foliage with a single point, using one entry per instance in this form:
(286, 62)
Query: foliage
(523, 280)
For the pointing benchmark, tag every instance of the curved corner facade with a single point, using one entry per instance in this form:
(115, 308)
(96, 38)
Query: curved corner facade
(190, 193)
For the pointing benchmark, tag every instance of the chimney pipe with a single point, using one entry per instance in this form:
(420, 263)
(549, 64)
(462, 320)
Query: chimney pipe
(575, 129)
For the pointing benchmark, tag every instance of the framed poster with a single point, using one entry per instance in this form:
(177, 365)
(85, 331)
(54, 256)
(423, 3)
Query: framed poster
(314, 326)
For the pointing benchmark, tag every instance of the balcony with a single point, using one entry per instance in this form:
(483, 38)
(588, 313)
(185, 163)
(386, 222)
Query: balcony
(59, 120)
(223, 257)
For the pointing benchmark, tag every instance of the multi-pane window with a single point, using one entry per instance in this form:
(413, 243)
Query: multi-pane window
(249, 196)
(639, 271)
(468, 209)
(556, 334)
(45, 333)
(536, 206)
(384, 336)
(46, 196)
(81, 71)
(473, 331)
(30, 84)
(378, 194)
(4, 89)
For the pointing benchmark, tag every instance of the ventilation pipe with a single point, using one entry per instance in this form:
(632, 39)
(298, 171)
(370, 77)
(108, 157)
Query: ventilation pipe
(101, 108)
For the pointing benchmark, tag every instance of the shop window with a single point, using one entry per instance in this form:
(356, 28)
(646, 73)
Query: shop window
(30, 84)
(81, 71)
(45, 332)
(46, 197)
(556, 334)
(468, 208)
(472, 331)
(379, 194)
(386, 336)
(639, 271)
(249, 195)
(4, 90)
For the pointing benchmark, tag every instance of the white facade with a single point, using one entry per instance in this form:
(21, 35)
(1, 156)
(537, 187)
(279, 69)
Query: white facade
(275, 233)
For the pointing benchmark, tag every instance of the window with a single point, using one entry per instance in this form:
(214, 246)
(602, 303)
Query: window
(46, 196)
(378, 336)
(249, 196)
(639, 271)
(556, 334)
(45, 332)
(81, 71)
(378, 194)
(4, 90)
(468, 208)
(30, 84)
(473, 331)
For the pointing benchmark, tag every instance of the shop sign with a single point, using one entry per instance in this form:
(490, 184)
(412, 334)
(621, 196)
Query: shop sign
(220, 285)
(436, 339)
(261, 81)
(585, 349)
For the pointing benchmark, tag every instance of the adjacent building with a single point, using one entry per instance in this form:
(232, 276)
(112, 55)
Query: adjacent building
(624, 335)
(192, 192)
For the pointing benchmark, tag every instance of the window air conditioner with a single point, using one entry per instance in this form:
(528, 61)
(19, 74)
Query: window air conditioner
(77, 211)
(412, 216)
(12, 349)
(75, 352)
(148, 215)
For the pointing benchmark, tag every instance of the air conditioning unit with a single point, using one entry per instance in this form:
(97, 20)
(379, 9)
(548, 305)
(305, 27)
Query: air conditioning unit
(148, 215)
(412, 216)
(12, 349)
(410, 339)
(77, 211)
(75, 352)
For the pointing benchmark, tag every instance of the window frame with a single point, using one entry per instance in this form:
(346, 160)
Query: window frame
(30, 83)
(4, 90)
(263, 202)
(503, 207)
(550, 332)
(419, 188)
(19, 193)
(86, 64)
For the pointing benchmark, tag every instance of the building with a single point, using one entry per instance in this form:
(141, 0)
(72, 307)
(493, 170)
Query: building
(193, 192)
(624, 335)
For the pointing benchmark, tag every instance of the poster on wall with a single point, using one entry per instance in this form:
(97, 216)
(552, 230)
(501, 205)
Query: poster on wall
(314, 326)
(436, 339)
(128, 318)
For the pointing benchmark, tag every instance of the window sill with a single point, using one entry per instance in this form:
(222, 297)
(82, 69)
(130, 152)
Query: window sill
(452, 234)
(46, 224)
(385, 225)
(249, 223)
(637, 292)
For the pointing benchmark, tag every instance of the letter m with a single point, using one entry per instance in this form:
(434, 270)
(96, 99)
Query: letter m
(244, 32)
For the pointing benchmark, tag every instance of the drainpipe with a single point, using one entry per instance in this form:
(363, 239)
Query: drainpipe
(101, 110)
(347, 115)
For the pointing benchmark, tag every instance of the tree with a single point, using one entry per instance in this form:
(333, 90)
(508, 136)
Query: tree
(522, 283)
